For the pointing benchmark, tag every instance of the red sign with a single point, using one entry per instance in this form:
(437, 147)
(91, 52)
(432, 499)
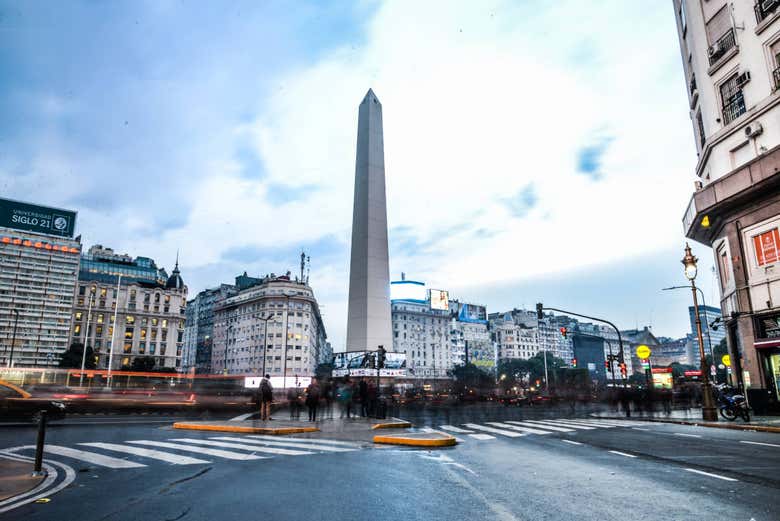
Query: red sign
(658, 370)
(767, 246)
(692, 373)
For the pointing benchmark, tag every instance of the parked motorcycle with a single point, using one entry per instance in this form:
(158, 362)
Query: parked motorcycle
(732, 404)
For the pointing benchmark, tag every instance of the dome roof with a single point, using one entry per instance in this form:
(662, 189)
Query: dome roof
(175, 281)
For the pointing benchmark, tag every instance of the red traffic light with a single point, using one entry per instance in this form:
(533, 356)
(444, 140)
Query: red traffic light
(574, 362)
(606, 364)
(563, 332)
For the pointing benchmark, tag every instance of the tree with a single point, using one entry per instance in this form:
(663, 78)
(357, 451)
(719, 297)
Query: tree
(469, 375)
(71, 358)
(679, 369)
(323, 371)
(142, 364)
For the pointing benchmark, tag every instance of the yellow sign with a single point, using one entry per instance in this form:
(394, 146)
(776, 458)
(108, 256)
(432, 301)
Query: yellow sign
(643, 351)
(705, 222)
(726, 360)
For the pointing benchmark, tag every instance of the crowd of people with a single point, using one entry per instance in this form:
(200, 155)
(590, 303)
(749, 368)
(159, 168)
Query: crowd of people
(353, 398)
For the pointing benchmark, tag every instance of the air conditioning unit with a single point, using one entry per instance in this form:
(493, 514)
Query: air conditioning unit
(713, 49)
(698, 185)
(769, 5)
(753, 129)
(743, 78)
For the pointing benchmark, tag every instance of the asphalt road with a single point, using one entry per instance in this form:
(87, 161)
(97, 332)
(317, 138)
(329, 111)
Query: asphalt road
(578, 469)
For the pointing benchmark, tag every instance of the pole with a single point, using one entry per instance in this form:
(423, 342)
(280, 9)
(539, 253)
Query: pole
(113, 333)
(13, 338)
(546, 380)
(39, 444)
(86, 339)
(708, 411)
(286, 328)
(611, 362)
(265, 342)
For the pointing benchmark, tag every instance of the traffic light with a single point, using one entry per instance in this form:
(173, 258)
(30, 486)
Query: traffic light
(623, 369)
(574, 362)
(380, 357)
(563, 332)
(606, 364)
(539, 312)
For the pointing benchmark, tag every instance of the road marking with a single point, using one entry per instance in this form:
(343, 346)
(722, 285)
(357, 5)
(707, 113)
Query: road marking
(201, 450)
(639, 429)
(563, 424)
(148, 453)
(42, 489)
(711, 475)
(544, 426)
(306, 440)
(515, 428)
(91, 457)
(589, 423)
(482, 437)
(689, 435)
(492, 430)
(760, 443)
(619, 423)
(622, 454)
(242, 417)
(452, 428)
(572, 442)
(244, 446)
(311, 446)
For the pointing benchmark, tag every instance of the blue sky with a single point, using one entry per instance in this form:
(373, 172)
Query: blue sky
(528, 155)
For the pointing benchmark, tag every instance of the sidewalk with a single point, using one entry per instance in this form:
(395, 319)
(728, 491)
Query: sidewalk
(693, 417)
(16, 478)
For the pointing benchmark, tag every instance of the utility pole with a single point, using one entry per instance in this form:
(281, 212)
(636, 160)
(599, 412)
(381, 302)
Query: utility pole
(113, 332)
(86, 339)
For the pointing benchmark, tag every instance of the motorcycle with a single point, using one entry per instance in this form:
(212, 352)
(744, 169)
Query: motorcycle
(731, 404)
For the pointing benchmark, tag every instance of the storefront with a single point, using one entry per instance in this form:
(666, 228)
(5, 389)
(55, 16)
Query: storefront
(767, 343)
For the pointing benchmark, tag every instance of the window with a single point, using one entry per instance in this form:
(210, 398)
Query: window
(78, 315)
(82, 290)
(732, 99)
(720, 35)
(683, 21)
(775, 49)
(700, 128)
(100, 318)
(130, 319)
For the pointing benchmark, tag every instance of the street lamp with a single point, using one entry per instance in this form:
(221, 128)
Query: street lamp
(708, 411)
(704, 301)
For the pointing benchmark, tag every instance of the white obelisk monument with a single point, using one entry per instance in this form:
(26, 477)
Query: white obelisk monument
(368, 318)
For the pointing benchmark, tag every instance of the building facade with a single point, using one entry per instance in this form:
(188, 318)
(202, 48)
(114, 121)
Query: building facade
(469, 336)
(711, 333)
(731, 58)
(38, 274)
(199, 328)
(149, 306)
(423, 334)
(270, 325)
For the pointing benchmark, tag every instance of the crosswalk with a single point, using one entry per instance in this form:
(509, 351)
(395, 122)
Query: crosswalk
(491, 430)
(189, 450)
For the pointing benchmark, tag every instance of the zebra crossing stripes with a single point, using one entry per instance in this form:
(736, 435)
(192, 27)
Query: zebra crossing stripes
(517, 428)
(482, 437)
(311, 446)
(454, 429)
(243, 446)
(547, 427)
(493, 430)
(200, 450)
(176, 459)
(564, 424)
(272, 440)
(89, 457)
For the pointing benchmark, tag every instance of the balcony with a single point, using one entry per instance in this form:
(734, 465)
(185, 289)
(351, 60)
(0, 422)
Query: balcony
(764, 9)
(733, 108)
(723, 45)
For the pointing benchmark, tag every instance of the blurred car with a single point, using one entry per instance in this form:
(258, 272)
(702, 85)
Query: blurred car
(18, 404)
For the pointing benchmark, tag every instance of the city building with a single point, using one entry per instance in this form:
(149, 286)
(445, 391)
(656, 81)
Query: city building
(199, 327)
(420, 330)
(39, 265)
(148, 304)
(269, 325)
(731, 59)
(632, 339)
(680, 350)
(712, 334)
(470, 337)
(513, 338)
(368, 315)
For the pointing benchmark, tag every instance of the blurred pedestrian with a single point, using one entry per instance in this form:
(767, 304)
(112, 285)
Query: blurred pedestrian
(326, 392)
(345, 397)
(313, 399)
(363, 392)
(266, 397)
(293, 400)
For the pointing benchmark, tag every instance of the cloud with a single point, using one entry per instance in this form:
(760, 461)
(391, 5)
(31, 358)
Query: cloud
(589, 158)
(522, 202)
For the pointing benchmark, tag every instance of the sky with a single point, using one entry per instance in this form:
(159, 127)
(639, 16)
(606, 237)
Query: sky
(534, 151)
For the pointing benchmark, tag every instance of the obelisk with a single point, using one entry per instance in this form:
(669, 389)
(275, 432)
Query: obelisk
(368, 317)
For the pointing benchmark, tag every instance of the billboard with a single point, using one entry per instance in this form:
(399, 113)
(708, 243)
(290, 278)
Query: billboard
(440, 300)
(472, 313)
(38, 219)
(407, 290)
(277, 382)
(358, 363)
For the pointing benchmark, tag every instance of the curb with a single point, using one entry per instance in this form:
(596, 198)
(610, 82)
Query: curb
(447, 441)
(392, 425)
(274, 431)
(735, 427)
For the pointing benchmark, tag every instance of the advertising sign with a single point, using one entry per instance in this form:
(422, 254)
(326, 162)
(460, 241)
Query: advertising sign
(472, 313)
(767, 246)
(38, 219)
(358, 363)
(662, 380)
(440, 300)
(407, 290)
(643, 351)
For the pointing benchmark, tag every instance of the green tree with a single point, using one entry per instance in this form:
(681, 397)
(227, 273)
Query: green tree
(71, 358)
(469, 375)
(679, 369)
(323, 371)
(142, 363)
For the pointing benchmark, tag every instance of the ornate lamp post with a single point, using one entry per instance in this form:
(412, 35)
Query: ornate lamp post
(708, 411)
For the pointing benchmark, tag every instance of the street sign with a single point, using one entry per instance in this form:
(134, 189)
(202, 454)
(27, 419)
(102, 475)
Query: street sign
(643, 351)
(39, 219)
(713, 370)
(726, 360)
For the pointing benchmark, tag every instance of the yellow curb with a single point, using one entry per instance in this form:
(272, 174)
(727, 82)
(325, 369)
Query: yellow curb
(244, 429)
(392, 425)
(416, 442)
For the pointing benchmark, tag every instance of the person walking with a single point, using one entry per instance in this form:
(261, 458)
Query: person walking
(294, 403)
(266, 398)
(345, 398)
(313, 399)
(326, 392)
(363, 395)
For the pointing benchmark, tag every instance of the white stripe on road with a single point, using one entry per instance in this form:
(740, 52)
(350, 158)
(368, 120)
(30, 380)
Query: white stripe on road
(509, 434)
(622, 454)
(711, 475)
(590, 423)
(200, 450)
(92, 457)
(547, 427)
(242, 417)
(562, 424)
(639, 429)
(430, 430)
(572, 442)
(689, 435)
(148, 453)
(310, 446)
(305, 440)
(452, 428)
(244, 446)
(482, 437)
(618, 423)
(760, 443)
(515, 428)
